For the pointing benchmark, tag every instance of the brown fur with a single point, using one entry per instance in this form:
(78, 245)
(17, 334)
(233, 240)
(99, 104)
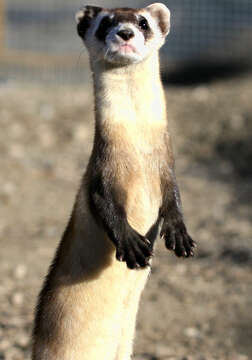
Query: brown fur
(135, 150)
(88, 305)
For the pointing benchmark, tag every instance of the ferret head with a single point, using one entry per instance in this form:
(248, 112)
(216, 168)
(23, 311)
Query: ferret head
(123, 36)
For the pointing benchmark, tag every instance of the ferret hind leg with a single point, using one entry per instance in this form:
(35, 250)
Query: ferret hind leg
(124, 351)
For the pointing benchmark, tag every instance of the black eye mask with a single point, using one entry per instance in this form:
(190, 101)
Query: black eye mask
(104, 27)
(107, 23)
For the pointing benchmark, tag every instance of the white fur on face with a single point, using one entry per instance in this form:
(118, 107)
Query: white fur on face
(115, 49)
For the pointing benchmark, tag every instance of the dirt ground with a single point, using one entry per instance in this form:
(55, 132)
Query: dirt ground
(197, 309)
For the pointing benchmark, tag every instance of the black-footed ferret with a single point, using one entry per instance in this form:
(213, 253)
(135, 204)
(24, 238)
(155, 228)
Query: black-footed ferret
(128, 197)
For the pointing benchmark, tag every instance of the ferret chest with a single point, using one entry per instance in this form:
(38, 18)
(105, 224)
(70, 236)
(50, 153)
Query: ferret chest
(138, 171)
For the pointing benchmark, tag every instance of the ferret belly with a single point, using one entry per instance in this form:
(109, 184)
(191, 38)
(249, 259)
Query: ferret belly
(136, 162)
(143, 202)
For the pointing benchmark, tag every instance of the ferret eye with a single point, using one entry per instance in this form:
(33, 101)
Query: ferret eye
(143, 23)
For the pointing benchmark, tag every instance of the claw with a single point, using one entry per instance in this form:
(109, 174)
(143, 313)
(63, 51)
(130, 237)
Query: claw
(147, 241)
(119, 257)
(135, 250)
(177, 239)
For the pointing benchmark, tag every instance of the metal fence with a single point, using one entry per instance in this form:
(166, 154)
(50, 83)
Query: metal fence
(38, 39)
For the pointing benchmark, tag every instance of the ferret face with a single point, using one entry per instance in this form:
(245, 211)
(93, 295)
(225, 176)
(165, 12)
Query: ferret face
(123, 36)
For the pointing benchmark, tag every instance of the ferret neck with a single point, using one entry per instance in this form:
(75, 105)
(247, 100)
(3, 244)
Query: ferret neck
(129, 93)
(103, 72)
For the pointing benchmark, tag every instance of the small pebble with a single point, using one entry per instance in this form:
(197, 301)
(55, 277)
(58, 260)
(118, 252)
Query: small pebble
(20, 271)
(47, 138)
(201, 94)
(16, 151)
(8, 188)
(192, 332)
(181, 268)
(17, 299)
(22, 340)
(81, 133)
(162, 350)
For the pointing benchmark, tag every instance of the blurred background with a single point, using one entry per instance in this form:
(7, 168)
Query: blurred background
(38, 39)
(197, 309)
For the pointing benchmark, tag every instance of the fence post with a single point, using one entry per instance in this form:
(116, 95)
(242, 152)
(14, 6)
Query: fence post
(2, 26)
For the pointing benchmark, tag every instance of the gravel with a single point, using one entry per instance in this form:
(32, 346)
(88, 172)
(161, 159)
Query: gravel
(197, 309)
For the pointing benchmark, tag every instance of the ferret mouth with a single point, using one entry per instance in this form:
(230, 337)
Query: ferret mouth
(127, 49)
(124, 48)
(123, 53)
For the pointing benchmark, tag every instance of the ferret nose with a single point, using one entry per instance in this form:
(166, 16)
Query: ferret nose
(125, 34)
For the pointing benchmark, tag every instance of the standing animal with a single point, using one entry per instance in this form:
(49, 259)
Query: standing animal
(128, 196)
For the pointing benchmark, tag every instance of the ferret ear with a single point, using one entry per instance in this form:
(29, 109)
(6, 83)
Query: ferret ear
(162, 15)
(84, 18)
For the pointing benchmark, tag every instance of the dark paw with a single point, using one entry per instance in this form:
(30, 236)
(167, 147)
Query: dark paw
(176, 238)
(134, 249)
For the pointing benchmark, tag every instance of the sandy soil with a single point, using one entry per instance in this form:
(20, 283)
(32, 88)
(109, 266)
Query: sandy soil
(197, 309)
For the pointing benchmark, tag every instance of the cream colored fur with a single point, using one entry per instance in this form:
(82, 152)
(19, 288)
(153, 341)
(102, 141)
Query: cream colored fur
(130, 104)
(93, 297)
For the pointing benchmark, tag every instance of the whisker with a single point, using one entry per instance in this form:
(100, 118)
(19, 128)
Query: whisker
(106, 53)
(79, 57)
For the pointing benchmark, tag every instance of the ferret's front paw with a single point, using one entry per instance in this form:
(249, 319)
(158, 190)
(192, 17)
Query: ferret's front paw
(134, 249)
(177, 238)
